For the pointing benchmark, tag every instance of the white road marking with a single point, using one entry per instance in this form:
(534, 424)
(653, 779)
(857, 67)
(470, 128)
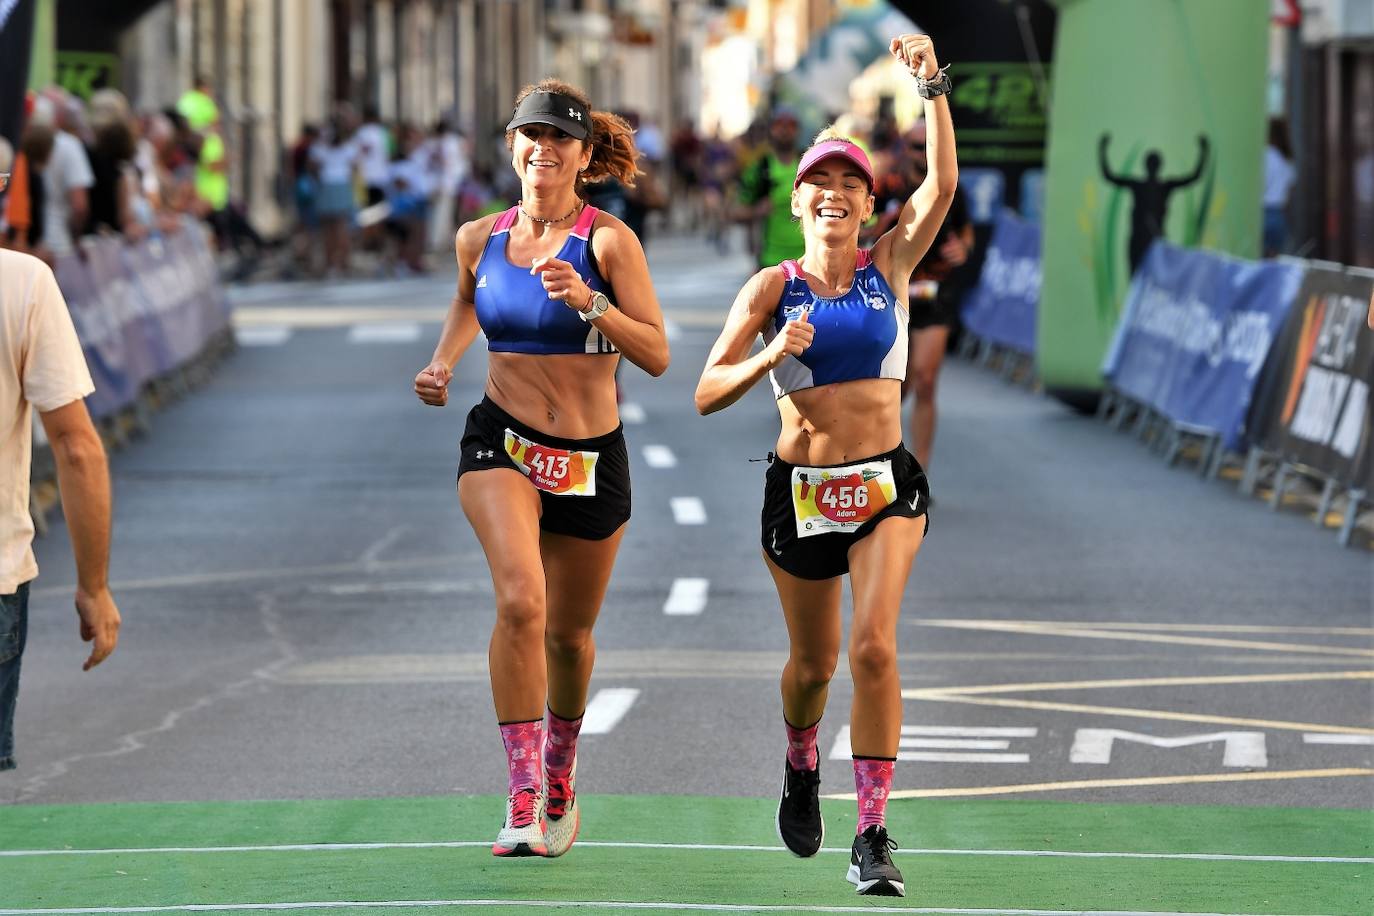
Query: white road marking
(689, 847)
(265, 336)
(688, 510)
(631, 413)
(686, 597)
(671, 329)
(1337, 739)
(607, 708)
(1242, 749)
(659, 456)
(577, 904)
(407, 332)
(956, 731)
(951, 744)
(919, 743)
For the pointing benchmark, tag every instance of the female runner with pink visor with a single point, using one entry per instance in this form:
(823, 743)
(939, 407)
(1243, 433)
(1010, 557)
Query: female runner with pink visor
(843, 494)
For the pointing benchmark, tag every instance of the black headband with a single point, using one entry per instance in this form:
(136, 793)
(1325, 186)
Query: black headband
(562, 111)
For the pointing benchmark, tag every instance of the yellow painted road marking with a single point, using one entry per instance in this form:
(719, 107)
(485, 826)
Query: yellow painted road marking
(1119, 783)
(1087, 633)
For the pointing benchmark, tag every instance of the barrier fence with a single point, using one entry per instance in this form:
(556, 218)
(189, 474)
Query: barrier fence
(1216, 357)
(152, 319)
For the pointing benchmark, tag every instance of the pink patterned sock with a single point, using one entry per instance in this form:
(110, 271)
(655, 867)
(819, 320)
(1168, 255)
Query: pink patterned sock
(873, 780)
(560, 747)
(522, 740)
(801, 745)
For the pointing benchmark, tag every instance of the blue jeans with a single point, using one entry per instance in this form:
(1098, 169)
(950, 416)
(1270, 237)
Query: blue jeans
(14, 628)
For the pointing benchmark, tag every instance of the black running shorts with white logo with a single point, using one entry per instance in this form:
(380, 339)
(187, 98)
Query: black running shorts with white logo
(583, 484)
(813, 515)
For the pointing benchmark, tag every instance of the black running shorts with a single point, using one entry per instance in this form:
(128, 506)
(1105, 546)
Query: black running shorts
(583, 484)
(812, 516)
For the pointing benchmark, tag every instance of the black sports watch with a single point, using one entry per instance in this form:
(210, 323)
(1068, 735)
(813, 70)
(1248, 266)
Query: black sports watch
(940, 85)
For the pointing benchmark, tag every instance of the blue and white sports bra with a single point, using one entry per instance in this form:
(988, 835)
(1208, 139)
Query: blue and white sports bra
(862, 334)
(515, 312)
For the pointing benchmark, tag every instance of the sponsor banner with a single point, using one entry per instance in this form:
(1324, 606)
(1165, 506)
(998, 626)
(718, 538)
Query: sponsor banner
(1001, 308)
(1195, 333)
(1314, 404)
(1169, 147)
(141, 311)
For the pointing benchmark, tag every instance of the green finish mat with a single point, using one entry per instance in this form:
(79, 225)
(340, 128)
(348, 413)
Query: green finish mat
(958, 856)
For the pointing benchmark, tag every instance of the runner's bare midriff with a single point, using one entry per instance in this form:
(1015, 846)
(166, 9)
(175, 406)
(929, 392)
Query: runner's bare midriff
(568, 395)
(846, 421)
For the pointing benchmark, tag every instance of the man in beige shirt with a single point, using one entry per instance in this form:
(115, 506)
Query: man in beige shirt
(41, 366)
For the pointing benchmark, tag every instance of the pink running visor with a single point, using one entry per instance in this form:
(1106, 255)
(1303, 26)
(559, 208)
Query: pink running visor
(834, 148)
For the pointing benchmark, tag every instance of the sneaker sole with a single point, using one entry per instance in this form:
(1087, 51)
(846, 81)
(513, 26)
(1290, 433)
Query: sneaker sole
(878, 887)
(777, 826)
(519, 850)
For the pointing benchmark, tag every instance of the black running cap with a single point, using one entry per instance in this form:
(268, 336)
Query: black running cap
(562, 111)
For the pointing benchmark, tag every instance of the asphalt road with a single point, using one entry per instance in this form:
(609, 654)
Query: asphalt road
(306, 610)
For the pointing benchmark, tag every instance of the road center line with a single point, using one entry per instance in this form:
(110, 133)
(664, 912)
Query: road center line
(659, 456)
(688, 510)
(631, 413)
(607, 708)
(686, 597)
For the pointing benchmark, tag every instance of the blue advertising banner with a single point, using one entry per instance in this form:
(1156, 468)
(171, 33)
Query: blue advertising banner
(141, 311)
(1195, 332)
(1001, 308)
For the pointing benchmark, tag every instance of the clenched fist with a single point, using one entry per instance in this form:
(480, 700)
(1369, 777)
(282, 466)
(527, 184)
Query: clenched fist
(917, 53)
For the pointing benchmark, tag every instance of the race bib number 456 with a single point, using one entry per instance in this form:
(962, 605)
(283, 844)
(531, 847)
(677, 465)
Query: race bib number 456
(830, 500)
(553, 470)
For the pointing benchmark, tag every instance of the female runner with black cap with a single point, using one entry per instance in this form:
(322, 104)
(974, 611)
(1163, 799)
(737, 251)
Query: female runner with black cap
(560, 290)
(843, 494)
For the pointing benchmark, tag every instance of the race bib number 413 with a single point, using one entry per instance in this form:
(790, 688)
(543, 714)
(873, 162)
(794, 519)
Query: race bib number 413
(830, 500)
(553, 470)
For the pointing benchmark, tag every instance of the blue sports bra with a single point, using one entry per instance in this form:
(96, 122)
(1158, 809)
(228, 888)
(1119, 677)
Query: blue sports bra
(517, 315)
(861, 334)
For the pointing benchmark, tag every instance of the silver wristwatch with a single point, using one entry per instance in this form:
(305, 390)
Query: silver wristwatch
(600, 306)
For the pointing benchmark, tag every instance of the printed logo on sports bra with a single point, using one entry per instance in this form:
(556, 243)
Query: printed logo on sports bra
(482, 282)
(877, 301)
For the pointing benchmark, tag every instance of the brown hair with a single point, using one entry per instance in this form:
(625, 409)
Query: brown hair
(612, 141)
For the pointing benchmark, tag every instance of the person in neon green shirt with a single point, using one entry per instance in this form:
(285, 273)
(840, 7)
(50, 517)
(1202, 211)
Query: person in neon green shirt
(766, 190)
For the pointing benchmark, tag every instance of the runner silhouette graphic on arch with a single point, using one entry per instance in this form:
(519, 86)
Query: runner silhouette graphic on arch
(1150, 195)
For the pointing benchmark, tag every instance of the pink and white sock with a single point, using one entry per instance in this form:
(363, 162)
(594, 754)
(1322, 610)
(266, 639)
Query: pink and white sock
(801, 745)
(873, 781)
(522, 740)
(560, 746)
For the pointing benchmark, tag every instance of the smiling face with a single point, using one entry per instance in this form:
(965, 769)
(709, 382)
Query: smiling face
(546, 158)
(833, 200)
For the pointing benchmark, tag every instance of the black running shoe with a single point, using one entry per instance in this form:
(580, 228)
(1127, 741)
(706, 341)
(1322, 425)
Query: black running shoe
(799, 811)
(870, 864)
